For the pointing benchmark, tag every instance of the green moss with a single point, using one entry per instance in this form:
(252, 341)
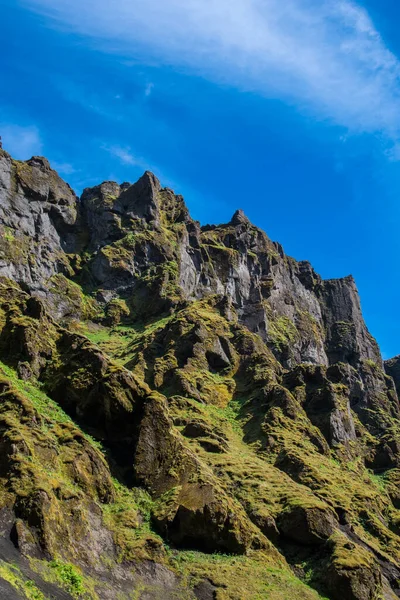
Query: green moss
(116, 310)
(8, 235)
(14, 246)
(69, 577)
(163, 281)
(32, 592)
(47, 408)
(129, 519)
(254, 577)
(282, 332)
(371, 364)
(348, 555)
(222, 248)
(14, 576)
(308, 328)
(342, 332)
(70, 293)
(56, 464)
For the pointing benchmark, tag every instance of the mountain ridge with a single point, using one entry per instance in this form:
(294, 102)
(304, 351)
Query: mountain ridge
(241, 405)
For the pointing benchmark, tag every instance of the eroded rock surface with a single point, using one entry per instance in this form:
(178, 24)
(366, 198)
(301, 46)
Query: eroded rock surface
(184, 410)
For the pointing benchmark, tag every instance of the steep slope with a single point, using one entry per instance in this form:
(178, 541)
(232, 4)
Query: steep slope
(186, 411)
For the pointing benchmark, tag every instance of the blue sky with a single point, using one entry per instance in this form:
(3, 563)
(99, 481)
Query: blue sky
(288, 110)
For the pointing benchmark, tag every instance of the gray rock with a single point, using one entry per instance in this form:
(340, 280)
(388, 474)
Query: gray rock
(38, 211)
(392, 368)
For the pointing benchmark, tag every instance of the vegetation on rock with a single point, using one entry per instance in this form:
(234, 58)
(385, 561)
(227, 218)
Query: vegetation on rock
(185, 412)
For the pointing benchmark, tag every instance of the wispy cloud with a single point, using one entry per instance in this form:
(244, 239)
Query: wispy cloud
(21, 142)
(325, 56)
(123, 154)
(148, 90)
(89, 99)
(63, 168)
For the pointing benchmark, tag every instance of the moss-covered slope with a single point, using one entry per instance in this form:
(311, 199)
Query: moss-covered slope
(185, 412)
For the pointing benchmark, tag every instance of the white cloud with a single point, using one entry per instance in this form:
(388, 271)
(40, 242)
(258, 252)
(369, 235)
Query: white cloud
(123, 154)
(21, 142)
(325, 56)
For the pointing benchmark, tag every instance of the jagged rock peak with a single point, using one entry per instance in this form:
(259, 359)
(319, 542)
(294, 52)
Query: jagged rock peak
(142, 198)
(39, 161)
(148, 178)
(239, 218)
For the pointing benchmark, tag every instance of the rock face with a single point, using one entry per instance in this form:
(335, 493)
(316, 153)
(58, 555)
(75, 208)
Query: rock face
(38, 211)
(168, 388)
(392, 368)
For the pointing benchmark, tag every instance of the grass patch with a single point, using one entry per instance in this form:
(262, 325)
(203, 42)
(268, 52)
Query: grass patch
(252, 577)
(69, 577)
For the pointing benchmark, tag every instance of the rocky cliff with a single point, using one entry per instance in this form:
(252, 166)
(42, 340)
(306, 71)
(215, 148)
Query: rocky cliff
(186, 411)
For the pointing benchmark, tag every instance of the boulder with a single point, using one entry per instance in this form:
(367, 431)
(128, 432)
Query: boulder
(307, 525)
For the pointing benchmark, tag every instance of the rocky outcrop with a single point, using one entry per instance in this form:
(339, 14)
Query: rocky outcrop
(392, 368)
(307, 525)
(192, 510)
(348, 339)
(48, 470)
(352, 572)
(38, 211)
